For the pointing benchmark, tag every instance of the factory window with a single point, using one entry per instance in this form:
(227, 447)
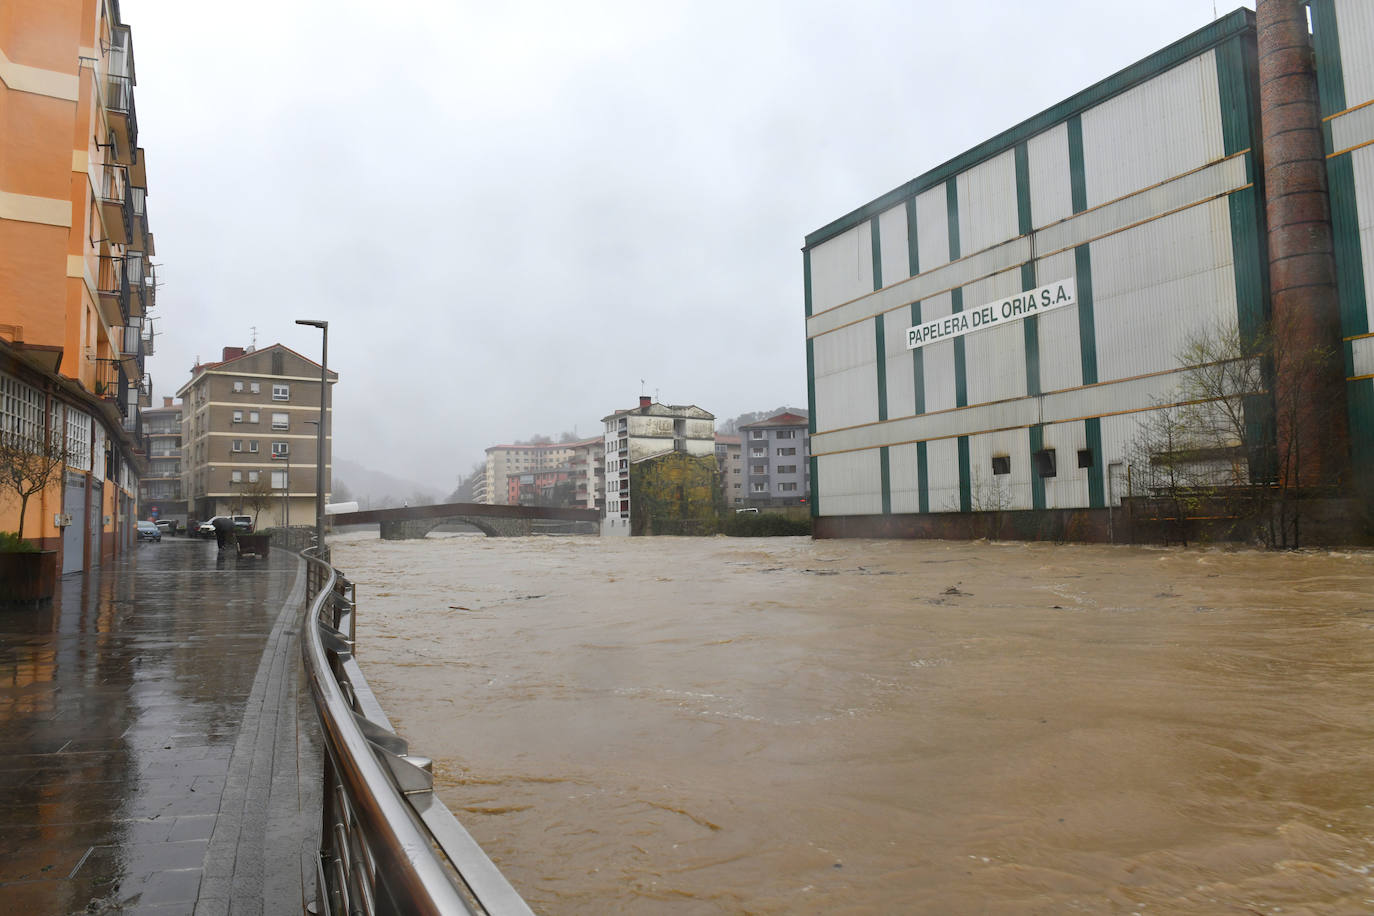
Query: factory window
(1085, 457)
(1001, 464)
(1044, 462)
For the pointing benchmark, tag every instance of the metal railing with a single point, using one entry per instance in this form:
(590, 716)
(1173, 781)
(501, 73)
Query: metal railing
(388, 844)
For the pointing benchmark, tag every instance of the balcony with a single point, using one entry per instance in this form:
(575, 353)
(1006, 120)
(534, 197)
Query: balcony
(139, 237)
(136, 270)
(111, 383)
(116, 211)
(119, 95)
(113, 287)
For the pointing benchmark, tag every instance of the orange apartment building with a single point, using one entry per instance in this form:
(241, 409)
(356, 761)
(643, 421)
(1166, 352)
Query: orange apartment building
(76, 285)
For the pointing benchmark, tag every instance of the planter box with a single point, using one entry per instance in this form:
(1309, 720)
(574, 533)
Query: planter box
(256, 544)
(28, 576)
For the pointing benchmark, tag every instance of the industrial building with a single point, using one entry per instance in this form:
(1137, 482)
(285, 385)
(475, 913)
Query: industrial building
(1004, 323)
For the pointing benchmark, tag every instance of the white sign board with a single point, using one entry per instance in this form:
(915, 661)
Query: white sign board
(994, 314)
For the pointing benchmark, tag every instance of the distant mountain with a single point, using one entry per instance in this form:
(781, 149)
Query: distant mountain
(377, 490)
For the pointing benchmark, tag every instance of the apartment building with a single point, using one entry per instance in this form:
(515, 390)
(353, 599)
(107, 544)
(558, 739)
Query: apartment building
(775, 453)
(505, 461)
(159, 494)
(249, 436)
(731, 470)
(77, 290)
(643, 434)
(588, 467)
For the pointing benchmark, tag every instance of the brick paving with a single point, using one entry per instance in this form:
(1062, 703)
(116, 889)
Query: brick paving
(160, 753)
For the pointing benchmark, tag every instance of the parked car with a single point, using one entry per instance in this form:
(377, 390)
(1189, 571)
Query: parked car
(243, 524)
(147, 531)
(166, 525)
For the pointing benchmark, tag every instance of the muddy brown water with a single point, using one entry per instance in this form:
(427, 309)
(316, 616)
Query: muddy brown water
(718, 725)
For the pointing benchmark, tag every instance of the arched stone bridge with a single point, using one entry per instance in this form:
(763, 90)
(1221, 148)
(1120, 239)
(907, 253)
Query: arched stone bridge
(494, 521)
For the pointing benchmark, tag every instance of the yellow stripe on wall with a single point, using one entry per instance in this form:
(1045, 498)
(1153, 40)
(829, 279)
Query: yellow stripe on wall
(23, 78)
(26, 209)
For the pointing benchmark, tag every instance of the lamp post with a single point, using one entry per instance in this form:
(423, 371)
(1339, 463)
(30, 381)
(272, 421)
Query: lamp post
(319, 438)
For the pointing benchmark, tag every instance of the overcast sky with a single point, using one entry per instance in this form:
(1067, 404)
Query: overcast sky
(511, 213)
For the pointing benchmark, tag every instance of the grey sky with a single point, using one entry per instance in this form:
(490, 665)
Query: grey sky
(511, 213)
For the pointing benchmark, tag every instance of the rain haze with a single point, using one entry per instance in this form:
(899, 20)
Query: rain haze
(517, 218)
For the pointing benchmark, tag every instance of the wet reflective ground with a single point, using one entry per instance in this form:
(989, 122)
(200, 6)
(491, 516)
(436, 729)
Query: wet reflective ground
(780, 726)
(148, 720)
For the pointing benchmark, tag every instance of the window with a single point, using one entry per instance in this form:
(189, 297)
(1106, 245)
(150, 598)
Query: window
(281, 392)
(1001, 464)
(759, 488)
(788, 451)
(236, 445)
(238, 385)
(735, 487)
(735, 471)
(758, 452)
(252, 416)
(1085, 457)
(1044, 462)
(253, 446)
(279, 421)
(787, 488)
(236, 477)
(279, 480)
(280, 449)
(785, 434)
(757, 434)
(255, 387)
(758, 469)
(238, 416)
(252, 476)
(787, 469)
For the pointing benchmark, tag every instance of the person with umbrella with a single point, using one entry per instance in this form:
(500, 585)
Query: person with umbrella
(224, 532)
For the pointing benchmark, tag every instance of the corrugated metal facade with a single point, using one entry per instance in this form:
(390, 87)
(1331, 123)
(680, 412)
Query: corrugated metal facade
(1124, 189)
(1343, 35)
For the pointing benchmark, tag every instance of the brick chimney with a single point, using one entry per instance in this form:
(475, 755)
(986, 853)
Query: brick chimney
(645, 400)
(1311, 419)
(232, 353)
(167, 401)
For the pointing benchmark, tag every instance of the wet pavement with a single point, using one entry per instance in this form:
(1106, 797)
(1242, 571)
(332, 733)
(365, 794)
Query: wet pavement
(159, 747)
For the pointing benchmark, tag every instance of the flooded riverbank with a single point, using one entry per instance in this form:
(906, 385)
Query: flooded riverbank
(781, 726)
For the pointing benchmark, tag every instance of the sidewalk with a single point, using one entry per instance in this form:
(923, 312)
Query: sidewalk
(153, 761)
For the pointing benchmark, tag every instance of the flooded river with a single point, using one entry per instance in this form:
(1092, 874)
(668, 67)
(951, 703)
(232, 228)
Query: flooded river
(719, 725)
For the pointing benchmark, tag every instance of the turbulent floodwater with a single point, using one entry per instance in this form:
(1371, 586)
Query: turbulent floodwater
(719, 725)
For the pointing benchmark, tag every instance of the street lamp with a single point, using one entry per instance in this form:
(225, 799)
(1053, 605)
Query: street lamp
(319, 439)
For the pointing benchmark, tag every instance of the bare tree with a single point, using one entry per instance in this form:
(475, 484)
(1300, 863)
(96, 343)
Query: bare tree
(28, 467)
(257, 495)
